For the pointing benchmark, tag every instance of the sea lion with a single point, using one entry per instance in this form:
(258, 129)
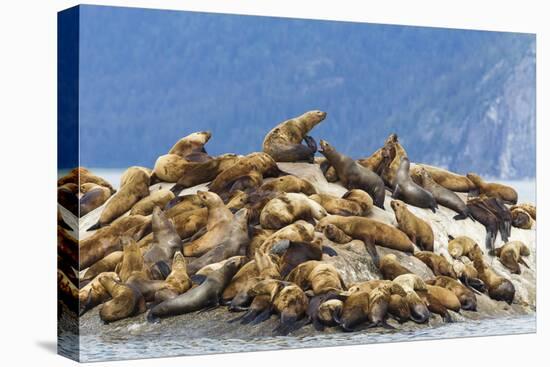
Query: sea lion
(345, 206)
(335, 234)
(502, 213)
(499, 288)
(463, 246)
(447, 179)
(521, 218)
(243, 280)
(182, 204)
(355, 176)
(437, 263)
(93, 197)
(134, 185)
(392, 154)
(299, 231)
(468, 275)
(197, 173)
(418, 230)
(177, 282)
(328, 171)
(234, 244)
(287, 208)
(93, 293)
(391, 268)
(466, 297)
(445, 296)
(132, 260)
(205, 295)
(259, 162)
(217, 229)
(529, 208)
(510, 255)
(289, 183)
(293, 254)
(284, 141)
(291, 304)
(483, 215)
(258, 236)
(157, 198)
(67, 197)
(191, 143)
(324, 278)
(371, 232)
(411, 283)
(126, 301)
(442, 195)
(81, 175)
(496, 190)
(328, 312)
(107, 264)
(169, 168)
(410, 192)
(237, 201)
(107, 239)
(166, 242)
(355, 310)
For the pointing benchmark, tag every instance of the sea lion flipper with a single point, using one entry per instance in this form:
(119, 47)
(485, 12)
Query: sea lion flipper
(521, 261)
(396, 192)
(329, 251)
(261, 317)
(94, 227)
(198, 278)
(371, 249)
(280, 247)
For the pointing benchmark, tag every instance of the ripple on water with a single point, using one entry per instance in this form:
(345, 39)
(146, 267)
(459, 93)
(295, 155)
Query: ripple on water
(166, 344)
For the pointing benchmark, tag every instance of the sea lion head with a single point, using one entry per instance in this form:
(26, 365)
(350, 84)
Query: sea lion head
(418, 310)
(209, 198)
(392, 139)
(330, 311)
(397, 205)
(355, 310)
(404, 164)
(314, 117)
(201, 137)
(326, 148)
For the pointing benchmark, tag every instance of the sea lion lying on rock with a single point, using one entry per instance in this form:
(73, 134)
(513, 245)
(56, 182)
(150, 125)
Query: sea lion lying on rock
(93, 197)
(496, 190)
(466, 297)
(285, 209)
(521, 218)
(353, 203)
(437, 263)
(447, 179)
(157, 198)
(510, 255)
(391, 268)
(529, 208)
(125, 301)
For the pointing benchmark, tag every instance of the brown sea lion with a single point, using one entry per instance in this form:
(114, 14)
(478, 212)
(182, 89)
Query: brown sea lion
(81, 175)
(411, 283)
(496, 190)
(258, 236)
(67, 197)
(177, 282)
(237, 201)
(441, 194)
(132, 260)
(293, 254)
(392, 154)
(182, 204)
(196, 173)
(391, 268)
(93, 293)
(299, 231)
(284, 141)
(447, 179)
(328, 171)
(291, 304)
(258, 162)
(445, 296)
(126, 301)
(510, 255)
(157, 198)
(371, 232)
(134, 185)
(107, 239)
(521, 218)
(344, 206)
(287, 208)
(466, 297)
(418, 230)
(207, 294)
(529, 208)
(107, 264)
(463, 246)
(410, 192)
(355, 310)
(234, 244)
(191, 143)
(289, 183)
(93, 197)
(355, 176)
(335, 234)
(499, 288)
(166, 242)
(468, 275)
(243, 280)
(217, 227)
(169, 168)
(328, 312)
(437, 263)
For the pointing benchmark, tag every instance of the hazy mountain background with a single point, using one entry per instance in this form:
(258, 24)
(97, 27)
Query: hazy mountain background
(460, 99)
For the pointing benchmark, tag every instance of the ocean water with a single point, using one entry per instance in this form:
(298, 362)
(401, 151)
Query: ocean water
(169, 343)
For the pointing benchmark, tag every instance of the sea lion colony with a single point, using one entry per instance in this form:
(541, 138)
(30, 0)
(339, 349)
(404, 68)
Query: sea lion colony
(258, 240)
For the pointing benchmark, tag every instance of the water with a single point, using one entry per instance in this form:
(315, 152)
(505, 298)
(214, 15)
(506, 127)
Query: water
(169, 343)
